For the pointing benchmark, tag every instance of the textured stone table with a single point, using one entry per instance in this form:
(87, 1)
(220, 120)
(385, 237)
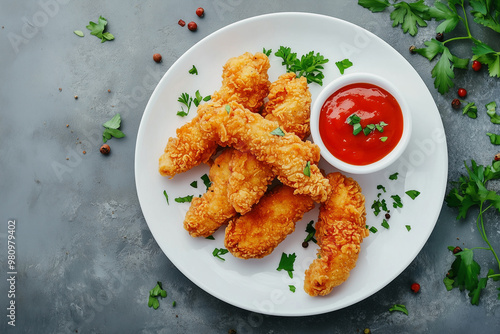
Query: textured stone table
(85, 258)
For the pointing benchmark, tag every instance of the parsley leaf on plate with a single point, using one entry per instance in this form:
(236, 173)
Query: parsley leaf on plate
(286, 263)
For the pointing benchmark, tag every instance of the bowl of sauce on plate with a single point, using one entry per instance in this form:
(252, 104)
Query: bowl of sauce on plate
(361, 123)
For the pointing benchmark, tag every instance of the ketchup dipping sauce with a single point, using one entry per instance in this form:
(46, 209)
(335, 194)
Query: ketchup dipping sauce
(360, 123)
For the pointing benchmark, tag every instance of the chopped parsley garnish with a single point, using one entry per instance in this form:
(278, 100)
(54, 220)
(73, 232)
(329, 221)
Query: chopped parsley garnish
(166, 195)
(174, 303)
(206, 180)
(383, 139)
(292, 288)
(397, 201)
(286, 263)
(210, 237)
(399, 308)
(218, 252)
(278, 132)
(228, 108)
(491, 112)
(111, 128)
(470, 110)
(307, 169)
(393, 176)
(154, 293)
(310, 232)
(185, 199)
(378, 206)
(267, 52)
(373, 229)
(412, 193)
(97, 29)
(355, 121)
(408, 228)
(381, 187)
(309, 66)
(79, 33)
(194, 184)
(343, 65)
(385, 224)
(186, 100)
(193, 70)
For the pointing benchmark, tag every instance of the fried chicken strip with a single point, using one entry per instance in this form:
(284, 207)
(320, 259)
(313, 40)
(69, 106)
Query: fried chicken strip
(291, 159)
(289, 104)
(340, 230)
(210, 211)
(260, 231)
(244, 80)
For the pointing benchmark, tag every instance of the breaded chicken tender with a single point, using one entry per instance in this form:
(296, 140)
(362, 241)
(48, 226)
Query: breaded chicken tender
(210, 211)
(244, 80)
(260, 231)
(248, 181)
(340, 230)
(291, 159)
(290, 104)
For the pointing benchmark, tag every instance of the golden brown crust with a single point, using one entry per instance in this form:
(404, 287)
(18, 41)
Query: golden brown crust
(260, 231)
(340, 230)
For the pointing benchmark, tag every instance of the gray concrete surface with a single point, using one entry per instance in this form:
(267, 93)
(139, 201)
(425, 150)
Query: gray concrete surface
(85, 258)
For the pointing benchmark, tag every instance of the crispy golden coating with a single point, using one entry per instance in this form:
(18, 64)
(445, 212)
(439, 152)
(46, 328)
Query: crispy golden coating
(291, 159)
(340, 230)
(290, 104)
(248, 181)
(210, 211)
(244, 80)
(260, 231)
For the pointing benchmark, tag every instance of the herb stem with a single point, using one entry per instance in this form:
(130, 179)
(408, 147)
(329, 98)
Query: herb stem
(482, 230)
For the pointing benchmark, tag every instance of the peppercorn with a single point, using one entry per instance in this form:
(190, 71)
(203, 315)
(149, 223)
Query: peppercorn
(387, 215)
(157, 57)
(76, 97)
(476, 65)
(457, 250)
(415, 287)
(456, 103)
(181, 23)
(439, 36)
(367, 331)
(192, 26)
(497, 156)
(462, 93)
(200, 12)
(412, 49)
(305, 244)
(105, 149)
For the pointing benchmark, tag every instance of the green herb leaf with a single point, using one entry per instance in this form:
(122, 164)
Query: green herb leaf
(206, 181)
(343, 65)
(228, 108)
(111, 128)
(267, 52)
(443, 72)
(307, 169)
(412, 193)
(385, 224)
(185, 199)
(154, 293)
(309, 66)
(186, 100)
(292, 288)
(381, 187)
(286, 263)
(393, 176)
(399, 308)
(113, 123)
(373, 229)
(383, 139)
(166, 196)
(356, 128)
(97, 29)
(397, 201)
(278, 132)
(410, 16)
(218, 252)
(470, 110)
(378, 206)
(486, 13)
(491, 111)
(79, 33)
(374, 5)
(353, 119)
(486, 55)
(408, 228)
(210, 237)
(194, 184)
(311, 231)
(193, 70)
(494, 138)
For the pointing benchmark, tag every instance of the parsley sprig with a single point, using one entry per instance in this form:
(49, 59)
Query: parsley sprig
(471, 191)
(154, 293)
(97, 29)
(309, 65)
(111, 128)
(451, 14)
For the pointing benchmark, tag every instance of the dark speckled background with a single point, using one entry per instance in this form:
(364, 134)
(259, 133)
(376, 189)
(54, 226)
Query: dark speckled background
(85, 256)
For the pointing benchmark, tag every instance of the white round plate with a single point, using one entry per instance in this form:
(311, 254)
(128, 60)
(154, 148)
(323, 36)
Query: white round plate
(256, 285)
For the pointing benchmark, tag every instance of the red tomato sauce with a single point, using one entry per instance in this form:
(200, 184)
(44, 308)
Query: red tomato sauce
(373, 105)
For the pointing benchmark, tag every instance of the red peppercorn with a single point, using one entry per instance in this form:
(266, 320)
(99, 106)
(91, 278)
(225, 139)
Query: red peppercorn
(181, 23)
(415, 287)
(457, 250)
(192, 26)
(462, 92)
(456, 103)
(476, 65)
(200, 12)
(497, 156)
(439, 36)
(105, 149)
(157, 57)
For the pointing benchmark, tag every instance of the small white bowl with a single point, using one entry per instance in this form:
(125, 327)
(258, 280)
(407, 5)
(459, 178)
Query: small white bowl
(337, 84)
